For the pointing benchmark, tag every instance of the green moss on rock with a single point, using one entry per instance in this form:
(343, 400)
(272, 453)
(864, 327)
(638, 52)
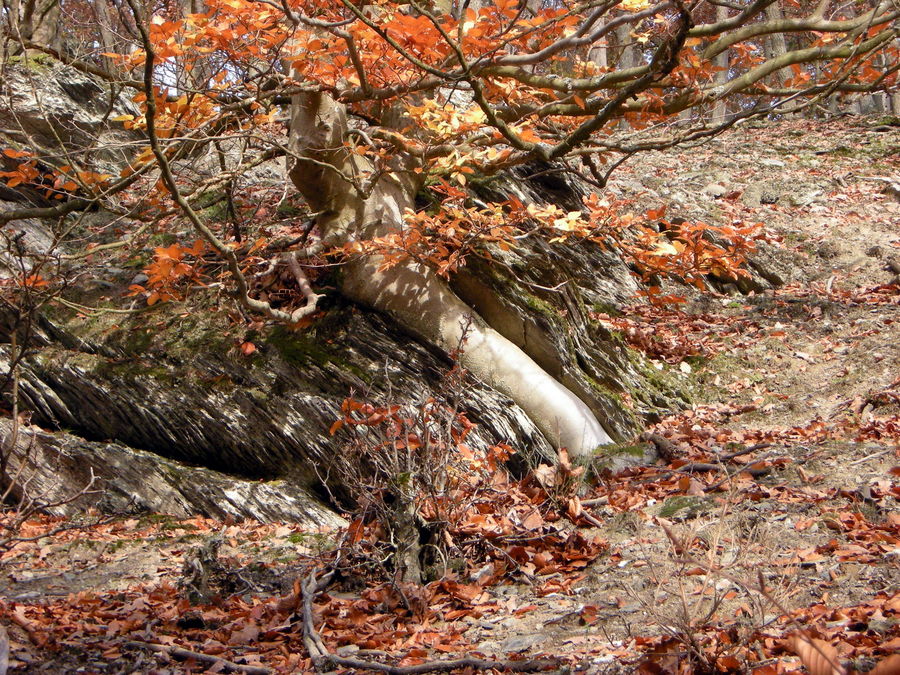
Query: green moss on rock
(298, 348)
(631, 450)
(684, 507)
(32, 60)
(540, 305)
(312, 347)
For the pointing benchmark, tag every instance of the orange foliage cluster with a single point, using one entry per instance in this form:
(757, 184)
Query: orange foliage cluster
(55, 183)
(168, 270)
(222, 73)
(445, 237)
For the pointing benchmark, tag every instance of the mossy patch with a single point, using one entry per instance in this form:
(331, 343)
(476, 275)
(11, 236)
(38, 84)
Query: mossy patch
(148, 342)
(132, 369)
(606, 308)
(299, 348)
(156, 519)
(684, 507)
(288, 210)
(876, 148)
(540, 305)
(32, 60)
(631, 450)
(313, 347)
(885, 121)
(663, 382)
(314, 542)
(216, 213)
(614, 399)
(138, 340)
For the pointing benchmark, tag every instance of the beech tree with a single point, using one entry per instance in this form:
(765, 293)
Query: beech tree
(372, 105)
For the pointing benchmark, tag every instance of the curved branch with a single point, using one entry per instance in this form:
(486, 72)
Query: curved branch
(736, 21)
(797, 26)
(383, 34)
(565, 84)
(478, 91)
(806, 56)
(225, 251)
(664, 61)
(573, 40)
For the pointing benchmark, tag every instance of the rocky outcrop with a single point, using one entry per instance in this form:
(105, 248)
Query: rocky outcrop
(177, 386)
(67, 474)
(152, 392)
(54, 110)
(171, 380)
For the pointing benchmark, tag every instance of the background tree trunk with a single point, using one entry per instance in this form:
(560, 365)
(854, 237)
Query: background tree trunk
(107, 36)
(598, 54)
(628, 56)
(36, 20)
(721, 62)
(776, 45)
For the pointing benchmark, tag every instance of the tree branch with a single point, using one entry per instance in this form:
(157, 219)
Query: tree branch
(215, 661)
(242, 291)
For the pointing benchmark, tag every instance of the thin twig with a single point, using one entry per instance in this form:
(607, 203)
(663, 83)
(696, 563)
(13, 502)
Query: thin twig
(184, 654)
(873, 456)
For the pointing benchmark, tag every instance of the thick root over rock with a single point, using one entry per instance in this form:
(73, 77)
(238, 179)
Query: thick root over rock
(423, 304)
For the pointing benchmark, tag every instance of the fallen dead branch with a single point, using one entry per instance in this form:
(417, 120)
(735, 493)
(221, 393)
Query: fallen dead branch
(184, 654)
(699, 467)
(322, 658)
(876, 455)
(702, 467)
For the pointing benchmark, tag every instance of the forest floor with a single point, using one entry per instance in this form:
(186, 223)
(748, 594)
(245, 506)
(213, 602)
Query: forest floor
(775, 510)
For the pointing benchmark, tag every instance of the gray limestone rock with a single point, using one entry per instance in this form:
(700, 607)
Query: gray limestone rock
(765, 192)
(715, 190)
(56, 107)
(804, 195)
(57, 467)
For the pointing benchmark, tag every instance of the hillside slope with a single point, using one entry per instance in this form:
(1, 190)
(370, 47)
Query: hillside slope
(775, 507)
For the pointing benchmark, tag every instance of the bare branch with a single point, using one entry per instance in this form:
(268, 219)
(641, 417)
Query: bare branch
(225, 251)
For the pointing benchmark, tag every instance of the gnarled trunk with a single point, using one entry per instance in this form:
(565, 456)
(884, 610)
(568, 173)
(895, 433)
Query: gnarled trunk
(409, 292)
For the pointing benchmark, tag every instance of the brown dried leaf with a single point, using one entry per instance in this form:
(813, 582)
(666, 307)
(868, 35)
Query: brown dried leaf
(533, 521)
(574, 507)
(819, 657)
(696, 488)
(890, 666)
(545, 476)
(542, 559)
(564, 463)
(245, 635)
